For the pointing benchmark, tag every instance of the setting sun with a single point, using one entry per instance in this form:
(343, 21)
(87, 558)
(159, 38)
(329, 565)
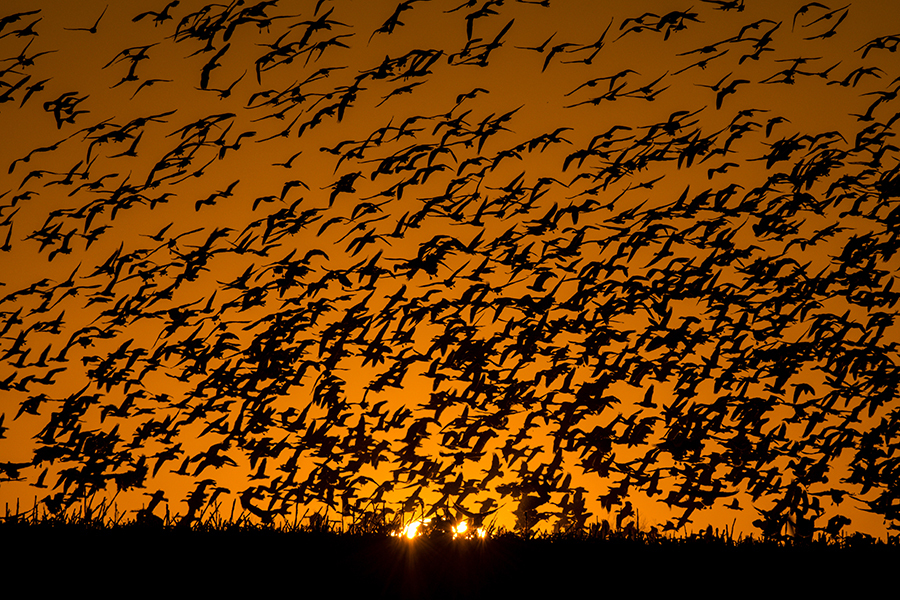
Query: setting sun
(412, 529)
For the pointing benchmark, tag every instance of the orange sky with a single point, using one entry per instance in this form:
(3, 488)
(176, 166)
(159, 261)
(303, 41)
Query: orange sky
(471, 252)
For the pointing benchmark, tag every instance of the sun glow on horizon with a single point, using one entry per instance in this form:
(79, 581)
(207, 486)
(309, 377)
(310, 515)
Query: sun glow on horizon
(411, 530)
(460, 530)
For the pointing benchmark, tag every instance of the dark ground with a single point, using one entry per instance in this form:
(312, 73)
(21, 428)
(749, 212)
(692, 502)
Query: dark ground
(168, 563)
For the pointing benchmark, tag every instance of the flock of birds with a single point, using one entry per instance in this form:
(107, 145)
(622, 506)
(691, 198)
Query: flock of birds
(218, 297)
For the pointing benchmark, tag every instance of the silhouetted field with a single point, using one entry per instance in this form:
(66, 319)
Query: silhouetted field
(105, 554)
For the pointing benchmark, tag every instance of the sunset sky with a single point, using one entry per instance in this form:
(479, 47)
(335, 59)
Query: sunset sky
(561, 259)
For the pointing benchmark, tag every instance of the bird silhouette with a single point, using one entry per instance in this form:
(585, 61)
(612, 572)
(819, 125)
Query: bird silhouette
(92, 28)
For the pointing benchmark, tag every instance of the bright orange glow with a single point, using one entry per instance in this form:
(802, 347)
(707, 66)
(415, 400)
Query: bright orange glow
(462, 530)
(412, 529)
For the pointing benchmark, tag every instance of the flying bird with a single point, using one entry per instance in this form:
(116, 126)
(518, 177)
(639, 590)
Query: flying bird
(92, 28)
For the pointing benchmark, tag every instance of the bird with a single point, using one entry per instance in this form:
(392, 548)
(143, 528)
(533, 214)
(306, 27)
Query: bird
(554, 51)
(158, 17)
(92, 28)
(731, 88)
(211, 65)
(148, 83)
(224, 93)
(539, 48)
(805, 9)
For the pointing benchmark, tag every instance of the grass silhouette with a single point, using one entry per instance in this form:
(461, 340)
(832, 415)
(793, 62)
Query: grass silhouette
(230, 553)
(387, 523)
